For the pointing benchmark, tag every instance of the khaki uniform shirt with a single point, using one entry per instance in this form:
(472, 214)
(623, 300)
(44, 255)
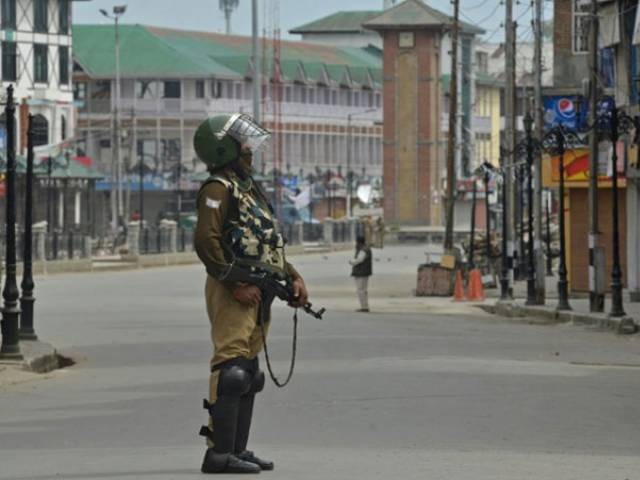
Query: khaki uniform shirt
(234, 329)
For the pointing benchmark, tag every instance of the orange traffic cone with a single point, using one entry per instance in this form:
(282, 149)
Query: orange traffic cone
(475, 290)
(458, 289)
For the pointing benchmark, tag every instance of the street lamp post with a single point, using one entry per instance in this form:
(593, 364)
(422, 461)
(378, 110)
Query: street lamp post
(612, 122)
(531, 269)
(9, 325)
(555, 140)
(27, 300)
(504, 272)
(487, 178)
(548, 239)
(473, 223)
(617, 309)
(116, 170)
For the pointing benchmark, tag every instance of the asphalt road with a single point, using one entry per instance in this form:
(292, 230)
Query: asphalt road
(418, 389)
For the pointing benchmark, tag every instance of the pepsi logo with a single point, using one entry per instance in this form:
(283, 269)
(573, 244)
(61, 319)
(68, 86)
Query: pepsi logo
(565, 108)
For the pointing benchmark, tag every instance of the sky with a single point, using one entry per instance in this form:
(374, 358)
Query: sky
(205, 14)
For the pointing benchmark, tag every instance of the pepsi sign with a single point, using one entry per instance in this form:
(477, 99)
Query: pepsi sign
(562, 110)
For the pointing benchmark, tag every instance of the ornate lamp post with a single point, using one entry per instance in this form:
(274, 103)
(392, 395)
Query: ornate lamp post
(10, 348)
(611, 122)
(555, 141)
(473, 222)
(531, 268)
(27, 331)
(504, 272)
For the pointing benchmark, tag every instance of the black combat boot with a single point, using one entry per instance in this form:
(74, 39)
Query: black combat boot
(226, 463)
(248, 456)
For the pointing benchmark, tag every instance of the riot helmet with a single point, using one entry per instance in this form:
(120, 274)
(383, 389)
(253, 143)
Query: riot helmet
(218, 140)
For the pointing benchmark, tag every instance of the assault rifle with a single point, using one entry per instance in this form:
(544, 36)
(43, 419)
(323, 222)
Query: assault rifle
(270, 287)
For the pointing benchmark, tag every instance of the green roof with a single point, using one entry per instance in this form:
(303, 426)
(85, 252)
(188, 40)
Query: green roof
(415, 13)
(407, 14)
(338, 22)
(154, 52)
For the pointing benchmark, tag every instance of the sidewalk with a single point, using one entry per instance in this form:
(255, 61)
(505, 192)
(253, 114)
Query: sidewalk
(579, 313)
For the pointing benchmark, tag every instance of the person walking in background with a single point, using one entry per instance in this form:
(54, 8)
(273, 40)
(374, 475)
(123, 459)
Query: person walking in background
(379, 232)
(362, 268)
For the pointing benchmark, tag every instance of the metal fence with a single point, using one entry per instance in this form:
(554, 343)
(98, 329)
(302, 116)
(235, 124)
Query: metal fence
(312, 232)
(60, 245)
(54, 245)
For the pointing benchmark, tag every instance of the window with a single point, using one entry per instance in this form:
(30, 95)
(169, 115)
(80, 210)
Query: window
(216, 89)
(238, 93)
(580, 25)
(482, 61)
(40, 130)
(63, 57)
(79, 90)
(40, 15)
(171, 89)
(40, 63)
(8, 14)
(9, 63)
(63, 127)
(146, 89)
(63, 17)
(199, 88)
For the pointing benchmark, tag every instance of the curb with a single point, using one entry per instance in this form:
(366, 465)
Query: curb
(620, 325)
(39, 357)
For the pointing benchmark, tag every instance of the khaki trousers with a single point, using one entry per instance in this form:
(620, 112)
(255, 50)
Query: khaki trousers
(235, 331)
(362, 284)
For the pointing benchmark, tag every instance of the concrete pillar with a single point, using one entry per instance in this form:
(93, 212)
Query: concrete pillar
(328, 231)
(171, 228)
(87, 246)
(353, 230)
(39, 240)
(299, 228)
(633, 235)
(133, 238)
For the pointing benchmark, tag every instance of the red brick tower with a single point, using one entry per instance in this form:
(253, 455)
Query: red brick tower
(411, 34)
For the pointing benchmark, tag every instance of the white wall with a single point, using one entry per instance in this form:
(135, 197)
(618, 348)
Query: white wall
(51, 99)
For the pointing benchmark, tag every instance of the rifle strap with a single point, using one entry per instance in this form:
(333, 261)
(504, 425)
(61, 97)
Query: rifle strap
(275, 379)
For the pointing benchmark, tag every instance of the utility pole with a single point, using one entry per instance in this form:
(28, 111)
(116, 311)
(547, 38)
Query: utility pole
(509, 135)
(596, 254)
(537, 206)
(257, 70)
(116, 165)
(451, 144)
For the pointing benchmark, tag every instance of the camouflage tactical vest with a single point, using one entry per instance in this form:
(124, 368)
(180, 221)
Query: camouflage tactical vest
(253, 239)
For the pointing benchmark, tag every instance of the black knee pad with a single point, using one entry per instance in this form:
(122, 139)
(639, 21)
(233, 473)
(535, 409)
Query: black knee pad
(234, 381)
(257, 384)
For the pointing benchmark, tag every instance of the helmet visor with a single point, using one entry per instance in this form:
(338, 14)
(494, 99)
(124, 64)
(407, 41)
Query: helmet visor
(246, 131)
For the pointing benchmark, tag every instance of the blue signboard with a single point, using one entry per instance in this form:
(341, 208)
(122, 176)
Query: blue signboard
(562, 110)
(3, 138)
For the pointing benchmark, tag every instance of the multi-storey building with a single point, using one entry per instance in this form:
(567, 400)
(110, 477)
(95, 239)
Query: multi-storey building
(618, 77)
(36, 59)
(172, 79)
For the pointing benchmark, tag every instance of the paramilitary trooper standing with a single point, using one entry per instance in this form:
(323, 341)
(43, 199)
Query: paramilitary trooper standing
(236, 227)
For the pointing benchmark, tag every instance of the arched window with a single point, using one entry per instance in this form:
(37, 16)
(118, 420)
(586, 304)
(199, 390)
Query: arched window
(40, 130)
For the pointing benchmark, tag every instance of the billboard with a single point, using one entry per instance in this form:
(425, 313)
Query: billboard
(562, 110)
